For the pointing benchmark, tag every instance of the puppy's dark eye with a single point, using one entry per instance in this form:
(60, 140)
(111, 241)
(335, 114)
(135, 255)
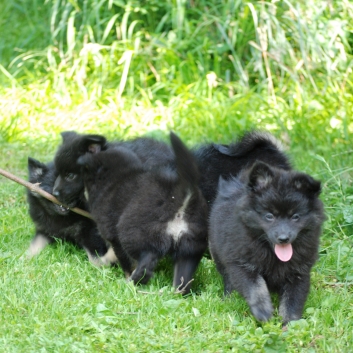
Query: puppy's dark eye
(269, 217)
(295, 217)
(70, 176)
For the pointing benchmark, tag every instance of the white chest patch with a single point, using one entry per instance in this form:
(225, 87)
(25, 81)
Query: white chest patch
(178, 226)
(86, 194)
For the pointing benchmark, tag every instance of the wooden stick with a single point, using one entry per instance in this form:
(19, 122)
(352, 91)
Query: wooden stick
(37, 189)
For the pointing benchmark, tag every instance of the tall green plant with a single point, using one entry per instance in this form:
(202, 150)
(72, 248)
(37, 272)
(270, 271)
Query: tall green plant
(135, 44)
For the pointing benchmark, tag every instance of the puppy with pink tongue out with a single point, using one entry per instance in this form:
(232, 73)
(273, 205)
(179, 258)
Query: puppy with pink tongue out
(264, 235)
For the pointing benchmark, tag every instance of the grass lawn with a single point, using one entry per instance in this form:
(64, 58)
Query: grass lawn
(208, 70)
(59, 302)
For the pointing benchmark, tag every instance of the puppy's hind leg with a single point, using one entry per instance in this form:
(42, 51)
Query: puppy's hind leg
(98, 251)
(110, 234)
(109, 258)
(145, 267)
(184, 269)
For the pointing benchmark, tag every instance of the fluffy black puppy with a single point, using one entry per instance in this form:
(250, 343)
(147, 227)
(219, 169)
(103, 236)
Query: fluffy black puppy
(146, 214)
(54, 221)
(216, 160)
(264, 237)
(69, 187)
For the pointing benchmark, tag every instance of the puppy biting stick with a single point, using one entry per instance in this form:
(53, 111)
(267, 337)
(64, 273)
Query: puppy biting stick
(37, 189)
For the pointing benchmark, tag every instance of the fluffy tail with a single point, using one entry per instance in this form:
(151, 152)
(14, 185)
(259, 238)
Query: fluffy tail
(185, 161)
(249, 142)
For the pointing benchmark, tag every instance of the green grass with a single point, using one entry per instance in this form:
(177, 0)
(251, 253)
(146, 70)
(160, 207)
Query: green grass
(59, 302)
(209, 70)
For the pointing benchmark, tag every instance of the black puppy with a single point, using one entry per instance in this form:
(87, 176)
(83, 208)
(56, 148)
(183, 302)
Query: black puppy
(216, 160)
(54, 221)
(264, 237)
(146, 213)
(69, 187)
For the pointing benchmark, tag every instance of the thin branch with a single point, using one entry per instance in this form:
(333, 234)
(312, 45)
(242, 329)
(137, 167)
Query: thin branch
(37, 189)
(180, 290)
(154, 293)
(338, 284)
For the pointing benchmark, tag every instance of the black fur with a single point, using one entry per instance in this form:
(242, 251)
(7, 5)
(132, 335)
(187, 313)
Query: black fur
(54, 221)
(262, 207)
(222, 160)
(69, 187)
(133, 206)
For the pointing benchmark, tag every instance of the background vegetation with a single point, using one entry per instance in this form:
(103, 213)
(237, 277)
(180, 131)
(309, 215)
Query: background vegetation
(209, 70)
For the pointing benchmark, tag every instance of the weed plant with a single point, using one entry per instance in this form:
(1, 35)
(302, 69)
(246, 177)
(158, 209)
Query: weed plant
(209, 70)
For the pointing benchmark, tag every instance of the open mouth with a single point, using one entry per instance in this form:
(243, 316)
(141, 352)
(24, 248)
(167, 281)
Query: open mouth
(284, 252)
(71, 203)
(61, 209)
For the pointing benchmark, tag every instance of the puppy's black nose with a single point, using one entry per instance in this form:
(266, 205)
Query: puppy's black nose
(283, 239)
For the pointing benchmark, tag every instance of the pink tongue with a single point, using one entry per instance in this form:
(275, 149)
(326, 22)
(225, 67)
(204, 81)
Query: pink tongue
(284, 251)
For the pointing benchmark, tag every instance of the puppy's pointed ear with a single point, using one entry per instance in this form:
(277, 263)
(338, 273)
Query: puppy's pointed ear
(36, 168)
(93, 143)
(85, 143)
(260, 177)
(68, 135)
(223, 149)
(307, 185)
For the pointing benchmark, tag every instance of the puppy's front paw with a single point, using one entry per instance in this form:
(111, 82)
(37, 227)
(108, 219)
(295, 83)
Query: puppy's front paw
(128, 276)
(259, 300)
(262, 311)
(140, 276)
(288, 316)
